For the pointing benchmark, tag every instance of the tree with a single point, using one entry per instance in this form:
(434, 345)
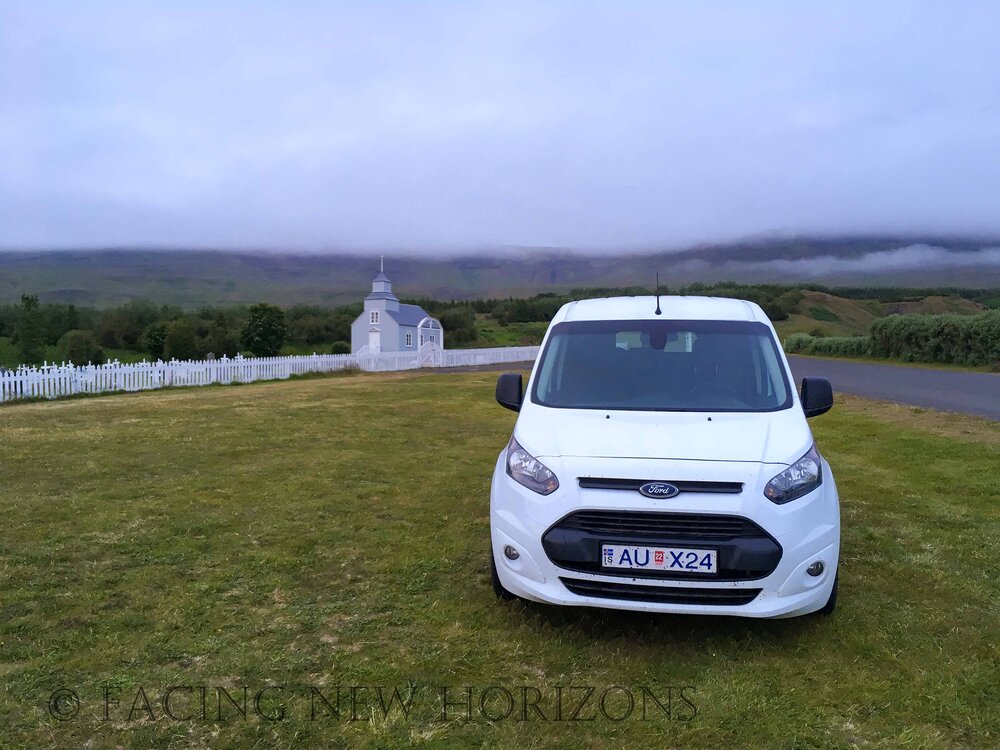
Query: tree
(57, 320)
(265, 331)
(28, 331)
(459, 324)
(80, 347)
(179, 342)
(221, 338)
(154, 338)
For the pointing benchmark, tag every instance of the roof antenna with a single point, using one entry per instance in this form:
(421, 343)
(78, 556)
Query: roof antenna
(658, 310)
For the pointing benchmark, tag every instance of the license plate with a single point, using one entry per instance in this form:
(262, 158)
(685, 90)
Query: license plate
(674, 559)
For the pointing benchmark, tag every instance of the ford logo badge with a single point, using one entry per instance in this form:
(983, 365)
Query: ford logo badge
(659, 489)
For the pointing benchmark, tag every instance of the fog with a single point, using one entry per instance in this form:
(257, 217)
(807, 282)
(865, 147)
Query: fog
(607, 127)
(911, 258)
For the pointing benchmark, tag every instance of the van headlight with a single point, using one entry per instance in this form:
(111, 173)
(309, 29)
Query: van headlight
(797, 480)
(528, 471)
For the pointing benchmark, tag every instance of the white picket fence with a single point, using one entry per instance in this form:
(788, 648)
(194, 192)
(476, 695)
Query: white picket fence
(54, 381)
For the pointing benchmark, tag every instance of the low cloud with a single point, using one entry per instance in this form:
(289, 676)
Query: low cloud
(910, 258)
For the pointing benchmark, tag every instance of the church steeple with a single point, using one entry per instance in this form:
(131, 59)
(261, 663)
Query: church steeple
(382, 289)
(381, 283)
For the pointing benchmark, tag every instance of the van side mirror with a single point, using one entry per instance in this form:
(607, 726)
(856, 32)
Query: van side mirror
(509, 388)
(817, 396)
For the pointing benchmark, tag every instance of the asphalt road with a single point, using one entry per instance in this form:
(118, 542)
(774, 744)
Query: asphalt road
(947, 390)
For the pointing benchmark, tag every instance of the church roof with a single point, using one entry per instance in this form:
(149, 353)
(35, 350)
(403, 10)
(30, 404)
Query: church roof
(381, 277)
(408, 315)
(381, 295)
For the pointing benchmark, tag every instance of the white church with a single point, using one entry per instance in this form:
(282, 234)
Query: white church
(388, 326)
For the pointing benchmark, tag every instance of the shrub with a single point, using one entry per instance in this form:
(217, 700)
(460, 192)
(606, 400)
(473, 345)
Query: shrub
(831, 346)
(28, 331)
(179, 342)
(221, 340)
(798, 343)
(340, 347)
(154, 338)
(789, 301)
(954, 339)
(459, 325)
(843, 346)
(80, 347)
(265, 331)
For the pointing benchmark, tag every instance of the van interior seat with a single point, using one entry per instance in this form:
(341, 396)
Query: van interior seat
(724, 362)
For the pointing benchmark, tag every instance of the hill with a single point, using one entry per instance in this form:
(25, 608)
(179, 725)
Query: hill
(191, 278)
(834, 316)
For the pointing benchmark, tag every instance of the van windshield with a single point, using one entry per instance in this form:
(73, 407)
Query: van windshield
(662, 365)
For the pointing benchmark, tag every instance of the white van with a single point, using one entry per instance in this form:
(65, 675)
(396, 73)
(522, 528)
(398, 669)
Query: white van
(661, 461)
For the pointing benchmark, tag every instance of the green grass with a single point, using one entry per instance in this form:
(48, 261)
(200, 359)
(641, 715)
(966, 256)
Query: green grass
(821, 313)
(334, 532)
(492, 333)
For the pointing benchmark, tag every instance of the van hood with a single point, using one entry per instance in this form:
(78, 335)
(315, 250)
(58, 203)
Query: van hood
(765, 437)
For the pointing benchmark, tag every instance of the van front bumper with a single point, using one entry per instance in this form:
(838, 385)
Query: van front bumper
(760, 574)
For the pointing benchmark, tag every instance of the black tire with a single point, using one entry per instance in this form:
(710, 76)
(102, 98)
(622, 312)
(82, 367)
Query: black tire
(831, 603)
(498, 588)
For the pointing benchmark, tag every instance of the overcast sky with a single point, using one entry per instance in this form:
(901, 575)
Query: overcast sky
(605, 125)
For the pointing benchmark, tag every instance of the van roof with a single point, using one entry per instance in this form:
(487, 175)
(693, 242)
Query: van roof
(672, 307)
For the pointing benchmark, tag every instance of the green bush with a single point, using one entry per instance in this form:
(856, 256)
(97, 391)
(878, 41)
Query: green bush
(28, 331)
(459, 325)
(80, 348)
(264, 332)
(340, 347)
(798, 343)
(153, 339)
(950, 339)
(222, 339)
(179, 342)
(831, 346)
(953, 339)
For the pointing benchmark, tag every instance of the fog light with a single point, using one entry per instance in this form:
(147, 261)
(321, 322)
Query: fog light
(816, 568)
(511, 553)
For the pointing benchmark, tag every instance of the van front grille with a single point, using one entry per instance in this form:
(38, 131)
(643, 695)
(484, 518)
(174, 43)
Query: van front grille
(701, 526)
(609, 483)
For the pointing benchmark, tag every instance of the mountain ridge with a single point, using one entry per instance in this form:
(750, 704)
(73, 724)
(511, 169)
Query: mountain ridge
(192, 277)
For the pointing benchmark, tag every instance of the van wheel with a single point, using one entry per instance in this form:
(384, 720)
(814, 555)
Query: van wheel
(831, 603)
(498, 588)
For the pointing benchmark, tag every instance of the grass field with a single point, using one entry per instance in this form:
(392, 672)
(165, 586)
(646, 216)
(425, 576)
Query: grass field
(334, 532)
(492, 333)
